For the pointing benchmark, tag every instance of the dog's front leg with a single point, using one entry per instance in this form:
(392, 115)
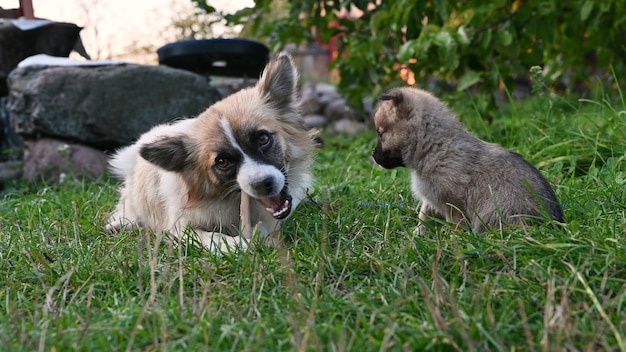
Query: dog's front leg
(116, 223)
(425, 214)
(218, 243)
(122, 217)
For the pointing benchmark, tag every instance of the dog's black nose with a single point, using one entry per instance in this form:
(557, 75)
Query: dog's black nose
(265, 185)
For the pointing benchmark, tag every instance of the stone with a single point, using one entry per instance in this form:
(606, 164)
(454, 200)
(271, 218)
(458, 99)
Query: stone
(322, 105)
(102, 106)
(347, 126)
(314, 120)
(323, 91)
(52, 160)
(310, 105)
(9, 170)
(10, 143)
(338, 109)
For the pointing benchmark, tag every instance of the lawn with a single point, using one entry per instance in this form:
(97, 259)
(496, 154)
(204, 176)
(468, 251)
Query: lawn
(351, 275)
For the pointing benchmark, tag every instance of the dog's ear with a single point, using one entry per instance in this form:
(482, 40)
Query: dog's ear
(394, 95)
(278, 82)
(403, 104)
(169, 153)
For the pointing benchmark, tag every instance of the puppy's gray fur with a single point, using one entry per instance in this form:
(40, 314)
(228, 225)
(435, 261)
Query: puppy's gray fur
(457, 176)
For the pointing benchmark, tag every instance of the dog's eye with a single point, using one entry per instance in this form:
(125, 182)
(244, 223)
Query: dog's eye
(222, 163)
(264, 140)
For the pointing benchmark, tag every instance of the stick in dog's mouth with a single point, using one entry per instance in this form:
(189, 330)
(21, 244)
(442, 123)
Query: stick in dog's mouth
(279, 205)
(244, 213)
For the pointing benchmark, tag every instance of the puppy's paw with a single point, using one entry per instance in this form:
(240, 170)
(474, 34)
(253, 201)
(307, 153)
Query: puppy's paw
(113, 227)
(217, 243)
(116, 224)
(421, 230)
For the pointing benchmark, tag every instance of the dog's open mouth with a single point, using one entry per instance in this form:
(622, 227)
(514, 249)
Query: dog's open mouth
(279, 205)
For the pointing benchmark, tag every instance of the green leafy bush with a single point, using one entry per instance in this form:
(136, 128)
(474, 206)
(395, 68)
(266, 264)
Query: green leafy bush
(468, 44)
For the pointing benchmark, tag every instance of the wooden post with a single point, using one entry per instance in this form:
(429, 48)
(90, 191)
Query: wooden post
(26, 9)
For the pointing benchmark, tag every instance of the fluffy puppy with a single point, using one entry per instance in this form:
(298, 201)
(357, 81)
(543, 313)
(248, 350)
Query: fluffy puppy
(456, 176)
(190, 174)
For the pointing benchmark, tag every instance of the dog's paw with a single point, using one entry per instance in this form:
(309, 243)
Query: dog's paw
(421, 230)
(218, 243)
(112, 227)
(115, 225)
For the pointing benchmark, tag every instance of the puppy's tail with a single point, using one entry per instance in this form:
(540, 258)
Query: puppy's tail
(123, 161)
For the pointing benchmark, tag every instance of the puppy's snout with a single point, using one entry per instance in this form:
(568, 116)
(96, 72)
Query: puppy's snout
(377, 153)
(388, 159)
(264, 185)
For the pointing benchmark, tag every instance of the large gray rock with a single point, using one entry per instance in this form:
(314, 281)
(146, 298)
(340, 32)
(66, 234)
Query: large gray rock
(10, 143)
(103, 106)
(9, 170)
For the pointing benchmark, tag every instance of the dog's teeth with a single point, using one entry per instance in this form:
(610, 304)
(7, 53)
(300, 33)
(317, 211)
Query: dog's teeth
(269, 210)
(282, 210)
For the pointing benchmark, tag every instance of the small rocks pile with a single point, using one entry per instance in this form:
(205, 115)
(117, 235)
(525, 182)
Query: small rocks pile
(323, 107)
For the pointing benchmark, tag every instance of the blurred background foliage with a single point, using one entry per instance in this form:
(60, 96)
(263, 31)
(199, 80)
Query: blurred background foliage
(482, 46)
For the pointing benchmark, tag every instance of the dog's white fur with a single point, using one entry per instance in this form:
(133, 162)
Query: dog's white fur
(184, 185)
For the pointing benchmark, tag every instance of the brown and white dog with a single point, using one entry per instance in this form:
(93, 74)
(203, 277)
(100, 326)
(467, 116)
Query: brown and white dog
(190, 174)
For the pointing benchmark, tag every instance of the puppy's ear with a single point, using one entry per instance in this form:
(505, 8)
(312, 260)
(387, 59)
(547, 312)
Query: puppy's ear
(404, 106)
(394, 95)
(169, 153)
(278, 82)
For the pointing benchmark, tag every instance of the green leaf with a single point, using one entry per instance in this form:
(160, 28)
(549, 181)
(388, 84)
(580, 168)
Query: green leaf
(444, 39)
(380, 21)
(485, 43)
(204, 6)
(462, 36)
(585, 11)
(407, 51)
(505, 37)
(469, 79)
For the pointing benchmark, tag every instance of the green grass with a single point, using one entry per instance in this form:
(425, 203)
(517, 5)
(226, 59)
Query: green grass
(352, 275)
